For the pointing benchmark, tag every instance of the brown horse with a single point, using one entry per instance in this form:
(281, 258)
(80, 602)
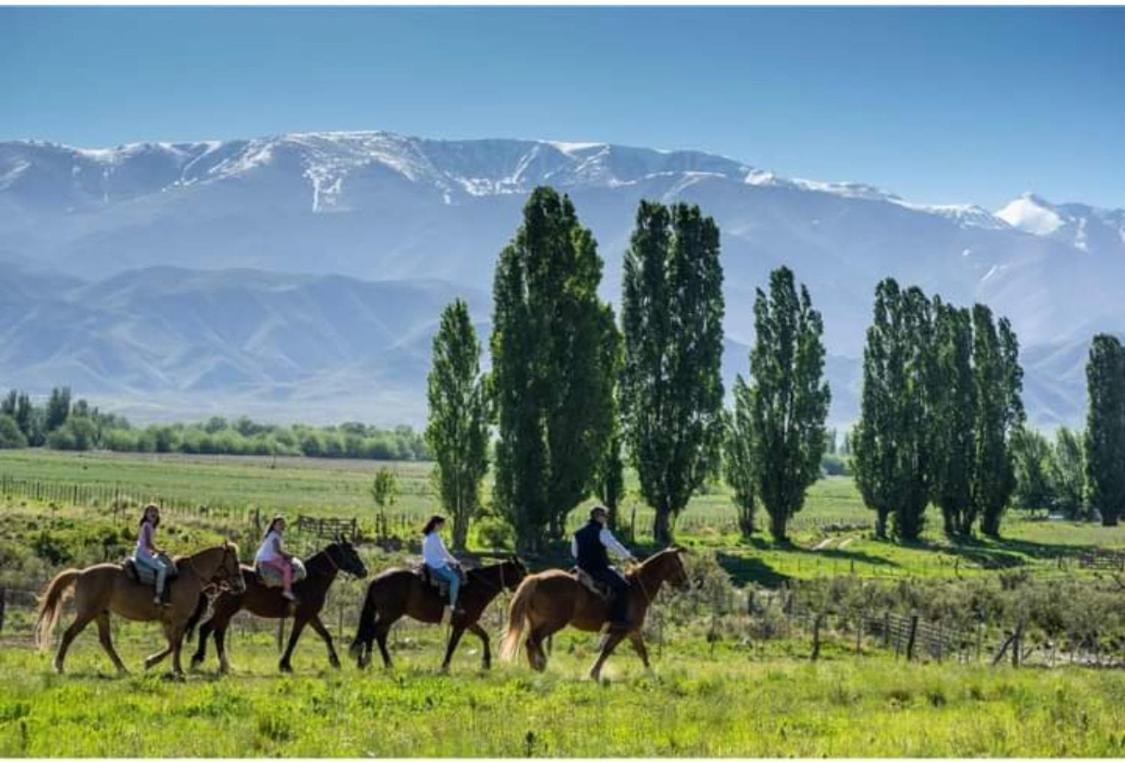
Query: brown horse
(548, 601)
(401, 592)
(268, 603)
(100, 589)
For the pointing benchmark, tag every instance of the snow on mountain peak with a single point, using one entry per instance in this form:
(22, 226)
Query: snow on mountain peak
(1031, 214)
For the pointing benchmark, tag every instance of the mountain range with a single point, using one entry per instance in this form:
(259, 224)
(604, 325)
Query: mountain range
(301, 276)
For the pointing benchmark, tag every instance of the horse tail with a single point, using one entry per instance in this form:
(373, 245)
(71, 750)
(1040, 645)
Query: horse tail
(58, 590)
(365, 633)
(193, 620)
(517, 619)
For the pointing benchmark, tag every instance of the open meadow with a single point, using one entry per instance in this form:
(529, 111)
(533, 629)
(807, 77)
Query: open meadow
(836, 644)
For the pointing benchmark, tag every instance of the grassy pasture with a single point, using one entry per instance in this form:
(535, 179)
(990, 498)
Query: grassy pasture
(727, 703)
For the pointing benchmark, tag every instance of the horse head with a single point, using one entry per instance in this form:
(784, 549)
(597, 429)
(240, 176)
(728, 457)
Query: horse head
(344, 555)
(229, 572)
(675, 571)
(514, 570)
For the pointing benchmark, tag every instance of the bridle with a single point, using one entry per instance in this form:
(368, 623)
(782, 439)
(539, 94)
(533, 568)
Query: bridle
(214, 581)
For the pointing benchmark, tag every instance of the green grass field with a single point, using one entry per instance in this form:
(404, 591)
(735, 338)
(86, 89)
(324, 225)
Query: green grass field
(733, 702)
(341, 488)
(720, 686)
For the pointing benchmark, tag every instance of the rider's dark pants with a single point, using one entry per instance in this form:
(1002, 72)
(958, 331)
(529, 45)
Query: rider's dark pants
(620, 588)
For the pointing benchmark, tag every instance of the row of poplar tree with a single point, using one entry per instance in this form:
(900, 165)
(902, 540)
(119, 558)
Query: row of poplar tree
(939, 408)
(573, 395)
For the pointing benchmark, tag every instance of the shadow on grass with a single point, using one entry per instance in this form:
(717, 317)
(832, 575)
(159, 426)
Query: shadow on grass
(745, 569)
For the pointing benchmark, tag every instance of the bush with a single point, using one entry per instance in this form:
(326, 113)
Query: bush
(495, 534)
(10, 434)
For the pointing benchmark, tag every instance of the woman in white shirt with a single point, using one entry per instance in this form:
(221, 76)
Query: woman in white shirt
(439, 560)
(272, 554)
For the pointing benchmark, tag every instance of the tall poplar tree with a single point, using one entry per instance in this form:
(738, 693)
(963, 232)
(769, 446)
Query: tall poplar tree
(457, 432)
(999, 411)
(894, 441)
(552, 395)
(955, 407)
(789, 398)
(738, 457)
(1105, 428)
(672, 324)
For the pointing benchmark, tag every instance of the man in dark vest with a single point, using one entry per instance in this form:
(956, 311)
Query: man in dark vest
(589, 547)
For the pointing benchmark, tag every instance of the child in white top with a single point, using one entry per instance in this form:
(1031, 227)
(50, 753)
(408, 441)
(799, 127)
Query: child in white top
(272, 554)
(439, 560)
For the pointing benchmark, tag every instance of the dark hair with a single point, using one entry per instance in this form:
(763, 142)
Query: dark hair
(144, 514)
(272, 523)
(433, 523)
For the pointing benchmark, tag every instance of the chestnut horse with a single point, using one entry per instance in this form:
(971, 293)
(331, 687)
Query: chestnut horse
(548, 601)
(401, 592)
(268, 603)
(105, 588)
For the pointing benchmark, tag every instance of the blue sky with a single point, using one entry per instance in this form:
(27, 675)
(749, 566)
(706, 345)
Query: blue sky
(938, 105)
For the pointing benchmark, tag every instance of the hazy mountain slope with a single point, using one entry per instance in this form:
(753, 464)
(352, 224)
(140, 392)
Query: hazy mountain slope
(381, 207)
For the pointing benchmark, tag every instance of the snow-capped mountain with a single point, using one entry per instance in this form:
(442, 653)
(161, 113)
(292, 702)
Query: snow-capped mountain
(383, 207)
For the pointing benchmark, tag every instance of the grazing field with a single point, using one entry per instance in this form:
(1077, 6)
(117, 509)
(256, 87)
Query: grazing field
(734, 668)
(830, 536)
(728, 703)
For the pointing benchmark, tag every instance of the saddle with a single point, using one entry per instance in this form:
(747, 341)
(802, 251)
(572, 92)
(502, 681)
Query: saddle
(271, 577)
(143, 575)
(437, 583)
(599, 589)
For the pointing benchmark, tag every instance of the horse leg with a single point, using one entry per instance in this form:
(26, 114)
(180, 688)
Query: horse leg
(77, 626)
(177, 640)
(638, 642)
(381, 630)
(454, 639)
(326, 636)
(612, 639)
(298, 625)
(221, 648)
(107, 643)
(205, 631)
(486, 652)
(159, 656)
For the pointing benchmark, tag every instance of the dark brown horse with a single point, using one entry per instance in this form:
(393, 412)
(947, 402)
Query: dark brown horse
(268, 603)
(548, 601)
(105, 588)
(396, 593)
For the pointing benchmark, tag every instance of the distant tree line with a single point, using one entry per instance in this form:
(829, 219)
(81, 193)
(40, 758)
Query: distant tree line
(59, 424)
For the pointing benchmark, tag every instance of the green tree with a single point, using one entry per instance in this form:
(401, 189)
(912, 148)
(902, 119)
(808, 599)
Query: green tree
(1068, 474)
(384, 490)
(671, 386)
(790, 398)
(738, 456)
(1105, 427)
(58, 408)
(999, 411)
(457, 433)
(1032, 456)
(894, 439)
(10, 434)
(954, 400)
(551, 394)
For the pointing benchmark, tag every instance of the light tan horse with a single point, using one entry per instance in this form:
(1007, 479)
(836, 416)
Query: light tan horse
(100, 589)
(544, 603)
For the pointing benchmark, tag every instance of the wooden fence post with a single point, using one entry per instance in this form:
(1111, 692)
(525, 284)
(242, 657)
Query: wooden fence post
(913, 635)
(2, 596)
(816, 637)
(886, 629)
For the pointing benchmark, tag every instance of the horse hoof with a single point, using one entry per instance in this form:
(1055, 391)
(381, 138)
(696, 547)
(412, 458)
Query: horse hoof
(285, 668)
(335, 663)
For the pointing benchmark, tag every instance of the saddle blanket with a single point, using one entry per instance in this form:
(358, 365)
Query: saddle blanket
(436, 582)
(271, 577)
(599, 589)
(145, 575)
